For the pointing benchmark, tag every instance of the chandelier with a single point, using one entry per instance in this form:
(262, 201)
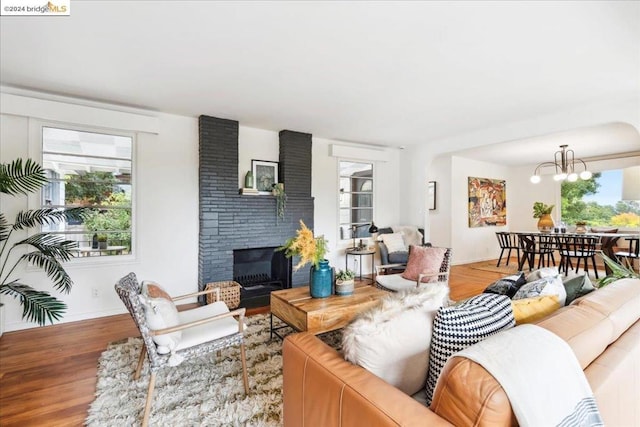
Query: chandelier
(565, 166)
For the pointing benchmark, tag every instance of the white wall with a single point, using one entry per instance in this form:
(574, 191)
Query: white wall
(166, 203)
(325, 187)
(166, 207)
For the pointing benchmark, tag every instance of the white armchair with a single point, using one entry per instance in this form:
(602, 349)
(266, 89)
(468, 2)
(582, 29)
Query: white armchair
(395, 282)
(188, 333)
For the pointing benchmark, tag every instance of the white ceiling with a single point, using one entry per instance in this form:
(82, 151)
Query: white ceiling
(388, 73)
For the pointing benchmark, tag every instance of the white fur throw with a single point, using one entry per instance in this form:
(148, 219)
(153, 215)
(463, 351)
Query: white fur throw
(392, 340)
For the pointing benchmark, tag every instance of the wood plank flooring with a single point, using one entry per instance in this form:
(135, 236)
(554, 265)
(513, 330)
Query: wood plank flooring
(48, 374)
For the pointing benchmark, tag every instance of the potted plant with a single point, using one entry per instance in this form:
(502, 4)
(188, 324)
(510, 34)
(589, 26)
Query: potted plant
(44, 250)
(581, 227)
(281, 199)
(617, 271)
(542, 211)
(102, 241)
(312, 250)
(345, 282)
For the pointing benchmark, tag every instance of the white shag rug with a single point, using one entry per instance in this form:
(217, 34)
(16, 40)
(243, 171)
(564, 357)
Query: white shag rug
(206, 391)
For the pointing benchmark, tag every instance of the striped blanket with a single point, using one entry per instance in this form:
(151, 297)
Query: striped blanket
(541, 376)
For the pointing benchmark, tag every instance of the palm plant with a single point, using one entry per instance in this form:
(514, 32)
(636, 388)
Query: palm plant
(44, 250)
(618, 271)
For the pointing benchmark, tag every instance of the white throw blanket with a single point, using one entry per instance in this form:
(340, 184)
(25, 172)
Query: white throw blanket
(411, 234)
(541, 376)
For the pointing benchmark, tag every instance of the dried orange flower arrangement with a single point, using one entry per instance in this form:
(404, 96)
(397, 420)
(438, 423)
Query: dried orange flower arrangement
(310, 249)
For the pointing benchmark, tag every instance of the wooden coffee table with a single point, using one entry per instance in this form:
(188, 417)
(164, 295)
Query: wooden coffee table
(297, 309)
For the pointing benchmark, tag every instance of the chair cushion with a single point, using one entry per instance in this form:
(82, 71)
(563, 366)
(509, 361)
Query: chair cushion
(395, 282)
(424, 260)
(392, 340)
(160, 313)
(529, 310)
(394, 242)
(462, 325)
(208, 331)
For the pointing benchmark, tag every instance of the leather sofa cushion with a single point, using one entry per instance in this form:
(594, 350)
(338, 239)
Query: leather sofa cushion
(614, 378)
(618, 302)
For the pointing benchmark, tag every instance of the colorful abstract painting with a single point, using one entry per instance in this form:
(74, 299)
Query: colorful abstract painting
(487, 202)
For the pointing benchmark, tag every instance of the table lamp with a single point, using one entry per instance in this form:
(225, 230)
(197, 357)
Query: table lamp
(354, 228)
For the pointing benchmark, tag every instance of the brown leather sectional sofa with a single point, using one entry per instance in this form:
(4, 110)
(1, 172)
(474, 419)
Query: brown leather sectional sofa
(603, 329)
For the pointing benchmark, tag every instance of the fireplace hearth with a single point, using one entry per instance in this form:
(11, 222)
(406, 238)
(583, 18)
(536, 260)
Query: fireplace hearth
(260, 271)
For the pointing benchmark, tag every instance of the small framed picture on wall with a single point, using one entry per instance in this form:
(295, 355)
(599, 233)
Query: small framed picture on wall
(431, 195)
(265, 174)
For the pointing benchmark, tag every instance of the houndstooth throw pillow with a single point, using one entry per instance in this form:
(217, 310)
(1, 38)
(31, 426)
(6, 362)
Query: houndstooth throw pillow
(459, 326)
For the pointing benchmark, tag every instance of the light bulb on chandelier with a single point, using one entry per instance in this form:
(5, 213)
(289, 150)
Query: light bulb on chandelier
(565, 165)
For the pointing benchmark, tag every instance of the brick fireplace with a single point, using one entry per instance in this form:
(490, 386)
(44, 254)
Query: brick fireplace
(233, 222)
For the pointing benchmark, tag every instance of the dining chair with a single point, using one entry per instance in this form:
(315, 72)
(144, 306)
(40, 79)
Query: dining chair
(534, 244)
(507, 241)
(631, 255)
(198, 331)
(580, 248)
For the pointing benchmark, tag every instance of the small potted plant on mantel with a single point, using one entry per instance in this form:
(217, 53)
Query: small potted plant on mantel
(345, 282)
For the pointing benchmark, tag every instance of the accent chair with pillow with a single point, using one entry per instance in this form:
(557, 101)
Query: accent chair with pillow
(170, 336)
(394, 243)
(426, 264)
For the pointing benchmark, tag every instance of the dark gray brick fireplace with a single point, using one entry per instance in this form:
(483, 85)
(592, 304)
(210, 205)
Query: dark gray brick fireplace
(230, 221)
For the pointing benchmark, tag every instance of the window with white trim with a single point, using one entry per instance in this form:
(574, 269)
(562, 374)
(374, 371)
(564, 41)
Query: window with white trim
(91, 170)
(356, 199)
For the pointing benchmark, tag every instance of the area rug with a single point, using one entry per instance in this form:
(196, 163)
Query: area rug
(491, 266)
(207, 391)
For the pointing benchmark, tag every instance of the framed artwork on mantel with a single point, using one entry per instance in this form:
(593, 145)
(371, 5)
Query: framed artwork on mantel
(265, 174)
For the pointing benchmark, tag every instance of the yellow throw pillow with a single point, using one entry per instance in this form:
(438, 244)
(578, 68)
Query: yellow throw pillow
(528, 310)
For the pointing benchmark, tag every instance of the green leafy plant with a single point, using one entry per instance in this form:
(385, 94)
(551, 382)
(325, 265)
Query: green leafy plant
(102, 237)
(344, 275)
(281, 199)
(540, 209)
(617, 271)
(112, 220)
(44, 250)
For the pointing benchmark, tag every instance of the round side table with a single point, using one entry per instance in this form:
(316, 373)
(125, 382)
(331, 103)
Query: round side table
(360, 253)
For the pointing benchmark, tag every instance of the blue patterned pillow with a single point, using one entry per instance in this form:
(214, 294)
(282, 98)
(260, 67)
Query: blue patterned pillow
(459, 326)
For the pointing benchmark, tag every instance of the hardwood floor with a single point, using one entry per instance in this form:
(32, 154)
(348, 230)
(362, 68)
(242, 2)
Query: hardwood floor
(48, 374)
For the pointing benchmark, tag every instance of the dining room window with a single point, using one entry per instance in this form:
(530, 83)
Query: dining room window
(598, 202)
(92, 170)
(356, 199)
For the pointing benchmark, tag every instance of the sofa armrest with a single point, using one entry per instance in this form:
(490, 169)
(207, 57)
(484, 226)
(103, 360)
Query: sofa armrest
(320, 388)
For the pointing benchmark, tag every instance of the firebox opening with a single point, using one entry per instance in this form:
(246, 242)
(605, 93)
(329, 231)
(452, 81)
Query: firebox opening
(260, 271)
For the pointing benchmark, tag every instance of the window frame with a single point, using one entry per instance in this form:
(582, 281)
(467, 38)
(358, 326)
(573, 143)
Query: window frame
(339, 193)
(34, 200)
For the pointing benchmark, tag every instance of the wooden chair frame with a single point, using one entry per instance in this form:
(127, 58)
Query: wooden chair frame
(129, 289)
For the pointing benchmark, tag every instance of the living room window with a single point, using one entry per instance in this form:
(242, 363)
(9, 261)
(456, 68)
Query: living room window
(91, 170)
(356, 199)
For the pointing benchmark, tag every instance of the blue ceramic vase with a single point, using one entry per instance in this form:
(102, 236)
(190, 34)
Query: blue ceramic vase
(321, 280)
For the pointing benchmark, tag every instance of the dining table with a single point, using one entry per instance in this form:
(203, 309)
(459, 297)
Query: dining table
(607, 242)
